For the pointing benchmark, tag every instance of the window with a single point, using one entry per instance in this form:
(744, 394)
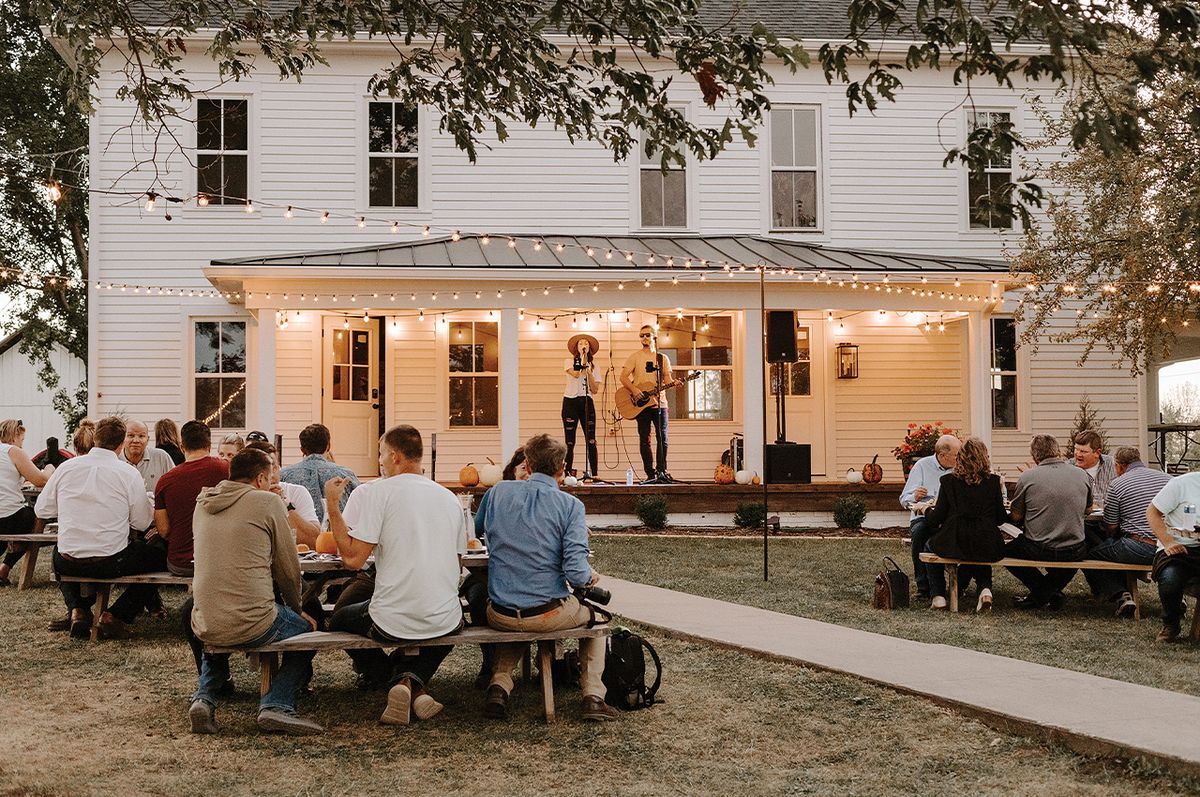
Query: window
(222, 151)
(1004, 373)
(994, 186)
(700, 344)
(352, 365)
(797, 376)
(794, 171)
(474, 354)
(219, 373)
(392, 155)
(663, 192)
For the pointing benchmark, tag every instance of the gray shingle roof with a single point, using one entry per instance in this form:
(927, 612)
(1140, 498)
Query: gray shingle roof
(717, 250)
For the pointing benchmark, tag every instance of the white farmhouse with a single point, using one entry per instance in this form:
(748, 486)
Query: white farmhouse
(370, 275)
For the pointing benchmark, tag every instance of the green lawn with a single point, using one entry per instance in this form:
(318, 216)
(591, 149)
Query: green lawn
(83, 718)
(832, 580)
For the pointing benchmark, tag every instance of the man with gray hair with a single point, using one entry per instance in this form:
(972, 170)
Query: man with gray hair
(1132, 540)
(538, 553)
(1052, 500)
(920, 492)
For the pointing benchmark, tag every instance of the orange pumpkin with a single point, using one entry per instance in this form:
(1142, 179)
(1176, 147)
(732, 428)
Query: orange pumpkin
(723, 474)
(326, 543)
(469, 475)
(872, 472)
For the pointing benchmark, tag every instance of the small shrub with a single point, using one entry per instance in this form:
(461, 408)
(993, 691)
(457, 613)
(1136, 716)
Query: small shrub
(749, 515)
(849, 512)
(652, 511)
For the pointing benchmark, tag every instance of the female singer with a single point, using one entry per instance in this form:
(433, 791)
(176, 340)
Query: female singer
(577, 406)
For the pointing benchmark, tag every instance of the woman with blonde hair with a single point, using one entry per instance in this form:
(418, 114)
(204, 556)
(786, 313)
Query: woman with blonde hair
(966, 521)
(84, 438)
(16, 516)
(230, 445)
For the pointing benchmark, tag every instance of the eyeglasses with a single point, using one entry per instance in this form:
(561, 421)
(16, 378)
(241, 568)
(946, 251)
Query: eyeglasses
(645, 335)
(251, 436)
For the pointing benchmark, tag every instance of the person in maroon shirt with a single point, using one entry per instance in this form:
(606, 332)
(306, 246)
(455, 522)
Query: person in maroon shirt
(177, 490)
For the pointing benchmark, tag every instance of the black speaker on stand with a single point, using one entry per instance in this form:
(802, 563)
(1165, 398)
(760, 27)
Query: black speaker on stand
(788, 463)
(781, 337)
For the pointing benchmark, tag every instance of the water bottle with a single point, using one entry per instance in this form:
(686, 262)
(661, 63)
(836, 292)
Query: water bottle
(629, 480)
(1189, 516)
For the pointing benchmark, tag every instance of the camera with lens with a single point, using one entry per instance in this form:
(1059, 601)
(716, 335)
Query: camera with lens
(594, 594)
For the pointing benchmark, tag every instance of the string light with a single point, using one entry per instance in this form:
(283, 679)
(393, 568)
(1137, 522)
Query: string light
(249, 205)
(202, 200)
(287, 214)
(325, 217)
(151, 198)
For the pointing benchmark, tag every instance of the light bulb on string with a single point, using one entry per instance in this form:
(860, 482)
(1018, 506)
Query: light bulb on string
(456, 236)
(485, 239)
(287, 214)
(362, 222)
(396, 228)
(202, 200)
(424, 230)
(249, 206)
(151, 198)
(325, 217)
(53, 191)
(537, 246)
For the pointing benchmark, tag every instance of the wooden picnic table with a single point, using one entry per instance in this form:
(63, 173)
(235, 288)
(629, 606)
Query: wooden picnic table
(35, 542)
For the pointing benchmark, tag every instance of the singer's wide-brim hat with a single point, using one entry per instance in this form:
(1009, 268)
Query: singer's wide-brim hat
(573, 344)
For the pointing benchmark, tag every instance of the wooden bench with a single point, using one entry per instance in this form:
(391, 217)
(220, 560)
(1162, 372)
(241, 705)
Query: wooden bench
(1131, 573)
(35, 543)
(549, 647)
(103, 586)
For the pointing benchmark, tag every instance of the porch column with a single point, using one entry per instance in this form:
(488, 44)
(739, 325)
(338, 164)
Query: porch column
(979, 388)
(263, 416)
(510, 382)
(753, 355)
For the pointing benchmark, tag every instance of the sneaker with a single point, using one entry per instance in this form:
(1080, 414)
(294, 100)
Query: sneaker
(596, 710)
(938, 603)
(203, 717)
(1126, 607)
(985, 601)
(1056, 601)
(424, 706)
(496, 705)
(1169, 633)
(398, 703)
(273, 720)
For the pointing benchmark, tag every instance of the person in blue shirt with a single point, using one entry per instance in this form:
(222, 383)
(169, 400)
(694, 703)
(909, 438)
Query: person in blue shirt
(538, 553)
(920, 491)
(315, 469)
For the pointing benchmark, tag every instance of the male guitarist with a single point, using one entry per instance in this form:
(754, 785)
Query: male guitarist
(645, 370)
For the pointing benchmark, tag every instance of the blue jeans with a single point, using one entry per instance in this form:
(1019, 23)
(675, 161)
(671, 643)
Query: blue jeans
(1110, 584)
(919, 531)
(214, 667)
(1173, 578)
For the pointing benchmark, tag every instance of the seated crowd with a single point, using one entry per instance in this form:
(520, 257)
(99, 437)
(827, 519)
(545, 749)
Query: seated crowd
(1095, 506)
(233, 524)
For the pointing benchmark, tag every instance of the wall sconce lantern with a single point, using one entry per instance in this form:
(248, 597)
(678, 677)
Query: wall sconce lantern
(847, 361)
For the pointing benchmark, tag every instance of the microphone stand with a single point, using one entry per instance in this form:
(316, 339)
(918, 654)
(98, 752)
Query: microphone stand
(588, 476)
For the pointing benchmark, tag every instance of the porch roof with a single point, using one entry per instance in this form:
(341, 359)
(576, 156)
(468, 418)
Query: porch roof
(470, 252)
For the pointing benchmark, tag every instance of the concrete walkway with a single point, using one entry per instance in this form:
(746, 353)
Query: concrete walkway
(1091, 714)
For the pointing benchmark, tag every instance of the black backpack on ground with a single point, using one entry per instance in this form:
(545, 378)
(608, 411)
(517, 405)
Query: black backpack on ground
(625, 671)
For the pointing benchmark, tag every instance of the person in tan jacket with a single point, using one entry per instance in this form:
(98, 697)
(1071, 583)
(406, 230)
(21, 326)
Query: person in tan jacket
(244, 556)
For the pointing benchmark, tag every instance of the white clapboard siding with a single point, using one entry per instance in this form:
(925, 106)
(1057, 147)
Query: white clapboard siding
(24, 397)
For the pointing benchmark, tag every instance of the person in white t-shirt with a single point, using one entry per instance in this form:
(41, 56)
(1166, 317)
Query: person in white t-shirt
(1172, 518)
(417, 530)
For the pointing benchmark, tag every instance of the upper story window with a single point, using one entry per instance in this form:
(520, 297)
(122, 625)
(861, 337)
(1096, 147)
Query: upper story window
(701, 344)
(994, 187)
(222, 150)
(1004, 373)
(663, 192)
(219, 373)
(795, 169)
(796, 377)
(392, 152)
(474, 358)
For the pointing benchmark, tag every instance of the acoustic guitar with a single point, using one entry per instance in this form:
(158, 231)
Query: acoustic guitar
(629, 408)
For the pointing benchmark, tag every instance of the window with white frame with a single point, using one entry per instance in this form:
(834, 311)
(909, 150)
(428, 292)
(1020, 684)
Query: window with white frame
(704, 344)
(219, 373)
(222, 150)
(474, 359)
(796, 377)
(392, 155)
(989, 192)
(1004, 373)
(795, 167)
(663, 192)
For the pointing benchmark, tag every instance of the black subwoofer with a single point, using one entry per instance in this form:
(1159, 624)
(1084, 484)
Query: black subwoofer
(788, 463)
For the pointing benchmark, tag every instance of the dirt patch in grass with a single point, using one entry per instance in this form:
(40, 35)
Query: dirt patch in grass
(832, 580)
(82, 718)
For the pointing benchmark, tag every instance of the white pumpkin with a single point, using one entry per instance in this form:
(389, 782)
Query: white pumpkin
(743, 477)
(490, 474)
(853, 476)
(570, 481)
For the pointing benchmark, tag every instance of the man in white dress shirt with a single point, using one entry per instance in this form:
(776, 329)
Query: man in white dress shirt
(98, 499)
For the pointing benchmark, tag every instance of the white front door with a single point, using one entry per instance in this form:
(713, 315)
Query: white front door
(350, 391)
(804, 383)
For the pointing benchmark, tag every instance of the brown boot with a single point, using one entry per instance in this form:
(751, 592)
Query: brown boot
(596, 710)
(81, 623)
(112, 628)
(1169, 633)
